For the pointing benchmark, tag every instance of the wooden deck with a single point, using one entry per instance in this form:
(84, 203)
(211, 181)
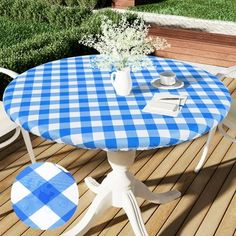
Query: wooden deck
(208, 204)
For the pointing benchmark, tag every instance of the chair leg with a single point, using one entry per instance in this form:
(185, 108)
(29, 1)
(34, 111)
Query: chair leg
(12, 139)
(223, 132)
(205, 150)
(28, 145)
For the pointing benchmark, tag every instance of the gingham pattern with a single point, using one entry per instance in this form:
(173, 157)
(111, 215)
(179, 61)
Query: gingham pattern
(68, 101)
(44, 196)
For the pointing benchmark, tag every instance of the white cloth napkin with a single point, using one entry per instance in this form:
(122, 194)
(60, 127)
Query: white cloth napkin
(165, 104)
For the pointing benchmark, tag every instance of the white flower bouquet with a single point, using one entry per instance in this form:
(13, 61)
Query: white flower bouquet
(123, 44)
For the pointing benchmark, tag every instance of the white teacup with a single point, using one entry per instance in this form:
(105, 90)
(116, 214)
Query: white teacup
(167, 78)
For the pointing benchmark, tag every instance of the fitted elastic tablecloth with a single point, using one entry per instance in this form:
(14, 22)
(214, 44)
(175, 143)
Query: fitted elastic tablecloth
(71, 102)
(44, 195)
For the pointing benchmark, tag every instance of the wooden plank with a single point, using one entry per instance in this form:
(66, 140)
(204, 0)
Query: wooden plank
(217, 210)
(172, 218)
(199, 36)
(203, 204)
(16, 145)
(228, 224)
(193, 58)
(204, 47)
(18, 154)
(203, 54)
(42, 153)
(19, 163)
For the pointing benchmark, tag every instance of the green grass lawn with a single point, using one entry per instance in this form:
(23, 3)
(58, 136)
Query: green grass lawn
(204, 9)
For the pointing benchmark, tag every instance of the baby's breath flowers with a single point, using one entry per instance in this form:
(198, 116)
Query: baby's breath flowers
(123, 44)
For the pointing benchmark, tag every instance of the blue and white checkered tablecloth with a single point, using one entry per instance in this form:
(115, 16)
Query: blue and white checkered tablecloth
(69, 101)
(44, 196)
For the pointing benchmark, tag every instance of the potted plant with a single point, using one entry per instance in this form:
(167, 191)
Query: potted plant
(123, 47)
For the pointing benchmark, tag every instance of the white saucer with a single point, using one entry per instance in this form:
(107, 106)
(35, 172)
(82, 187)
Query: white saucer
(156, 83)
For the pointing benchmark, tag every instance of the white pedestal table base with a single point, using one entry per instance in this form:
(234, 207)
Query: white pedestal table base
(120, 189)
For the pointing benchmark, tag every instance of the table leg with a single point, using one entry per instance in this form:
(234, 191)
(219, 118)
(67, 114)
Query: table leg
(99, 205)
(133, 212)
(92, 184)
(142, 191)
(119, 189)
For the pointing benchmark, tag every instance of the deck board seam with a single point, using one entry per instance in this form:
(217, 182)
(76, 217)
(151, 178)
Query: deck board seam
(189, 184)
(218, 165)
(20, 149)
(225, 212)
(216, 194)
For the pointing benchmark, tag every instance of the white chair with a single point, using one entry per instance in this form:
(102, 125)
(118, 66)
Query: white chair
(6, 125)
(229, 121)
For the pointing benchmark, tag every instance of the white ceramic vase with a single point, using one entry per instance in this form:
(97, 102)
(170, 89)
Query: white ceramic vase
(122, 82)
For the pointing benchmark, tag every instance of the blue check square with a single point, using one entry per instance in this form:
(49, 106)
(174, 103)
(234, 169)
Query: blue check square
(46, 192)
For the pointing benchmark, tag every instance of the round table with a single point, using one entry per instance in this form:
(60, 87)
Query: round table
(71, 102)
